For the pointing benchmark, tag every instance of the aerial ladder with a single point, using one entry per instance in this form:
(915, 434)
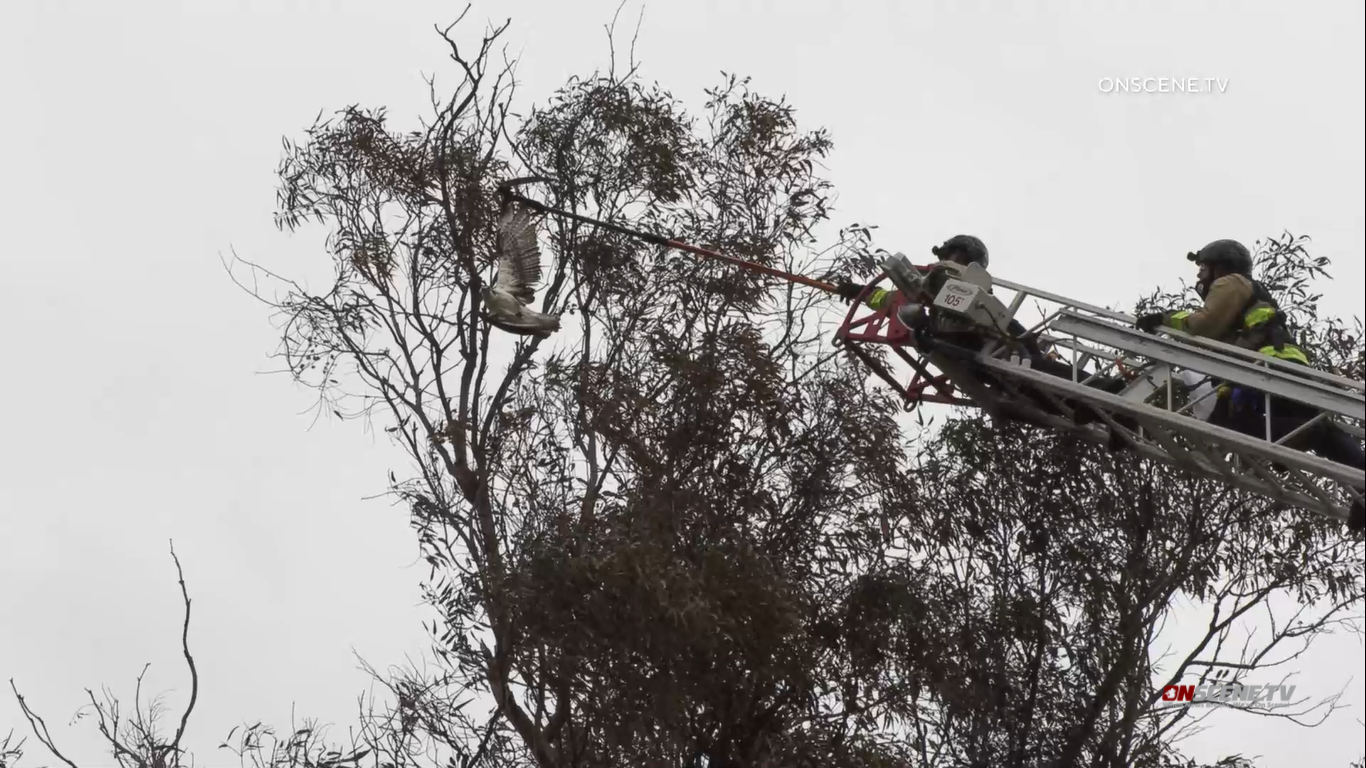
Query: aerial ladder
(1167, 381)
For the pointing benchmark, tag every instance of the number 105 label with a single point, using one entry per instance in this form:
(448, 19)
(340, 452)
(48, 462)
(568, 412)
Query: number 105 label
(956, 296)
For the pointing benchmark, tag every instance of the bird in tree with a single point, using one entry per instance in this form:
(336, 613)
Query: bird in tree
(519, 269)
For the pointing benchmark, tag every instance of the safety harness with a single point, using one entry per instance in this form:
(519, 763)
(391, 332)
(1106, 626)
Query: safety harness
(1264, 329)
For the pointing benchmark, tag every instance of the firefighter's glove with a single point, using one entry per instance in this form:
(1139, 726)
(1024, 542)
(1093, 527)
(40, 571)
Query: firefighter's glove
(1149, 323)
(849, 291)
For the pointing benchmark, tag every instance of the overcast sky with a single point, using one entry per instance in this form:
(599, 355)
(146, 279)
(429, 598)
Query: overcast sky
(140, 140)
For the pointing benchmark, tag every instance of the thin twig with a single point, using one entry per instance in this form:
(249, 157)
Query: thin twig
(189, 660)
(39, 727)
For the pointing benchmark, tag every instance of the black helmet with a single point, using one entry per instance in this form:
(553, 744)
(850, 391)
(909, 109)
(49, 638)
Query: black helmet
(1230, 254)
(974, 249)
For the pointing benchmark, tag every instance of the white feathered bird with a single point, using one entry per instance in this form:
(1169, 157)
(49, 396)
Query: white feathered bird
(519, 269)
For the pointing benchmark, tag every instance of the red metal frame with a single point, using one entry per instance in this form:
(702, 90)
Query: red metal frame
(866, 326)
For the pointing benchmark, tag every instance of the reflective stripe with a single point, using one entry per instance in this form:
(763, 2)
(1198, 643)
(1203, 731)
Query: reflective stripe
(1258, 316)
(1287, 352)
(878, 299)
(1176, 320)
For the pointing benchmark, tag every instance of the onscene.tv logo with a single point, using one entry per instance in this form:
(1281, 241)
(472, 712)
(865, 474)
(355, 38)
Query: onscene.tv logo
(1228, 695)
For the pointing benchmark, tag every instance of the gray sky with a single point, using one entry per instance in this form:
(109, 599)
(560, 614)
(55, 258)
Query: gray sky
(141, 142)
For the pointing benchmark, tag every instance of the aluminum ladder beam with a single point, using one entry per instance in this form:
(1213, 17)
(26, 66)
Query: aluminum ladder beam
(1191, 461)
(1207, 443)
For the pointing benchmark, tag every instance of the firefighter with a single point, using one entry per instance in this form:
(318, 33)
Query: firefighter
(962, 250)
(959, 249)
(1241, 311)
(965, 250)
(1238, 310)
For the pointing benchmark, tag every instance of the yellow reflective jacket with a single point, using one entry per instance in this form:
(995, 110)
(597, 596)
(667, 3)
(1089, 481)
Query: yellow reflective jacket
(1240, 312)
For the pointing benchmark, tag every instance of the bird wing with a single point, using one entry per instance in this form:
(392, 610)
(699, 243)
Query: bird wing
(519, 261)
